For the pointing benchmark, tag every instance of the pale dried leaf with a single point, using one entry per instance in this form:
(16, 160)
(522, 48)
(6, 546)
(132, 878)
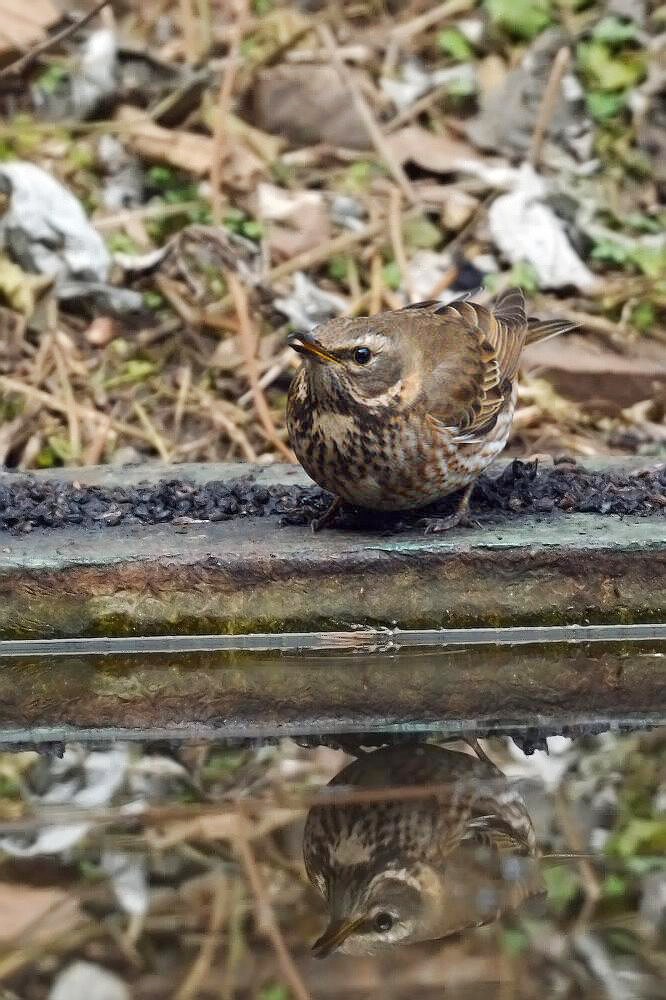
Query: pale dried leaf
(308, 105)
(184, 150)
(23, 25)
(300, 220)
(441, 154)
(23, 905)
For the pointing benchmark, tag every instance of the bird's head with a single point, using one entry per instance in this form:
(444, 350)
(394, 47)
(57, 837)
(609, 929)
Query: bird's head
(359, 360)
(425, 902)
(373, 911)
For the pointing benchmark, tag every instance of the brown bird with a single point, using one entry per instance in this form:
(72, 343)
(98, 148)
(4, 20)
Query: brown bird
(398, 410)
(397, 871)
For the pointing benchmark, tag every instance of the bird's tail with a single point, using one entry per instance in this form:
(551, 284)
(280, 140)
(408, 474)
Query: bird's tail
(544, 329)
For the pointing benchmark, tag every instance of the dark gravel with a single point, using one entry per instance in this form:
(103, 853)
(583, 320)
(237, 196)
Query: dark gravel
(29, 502)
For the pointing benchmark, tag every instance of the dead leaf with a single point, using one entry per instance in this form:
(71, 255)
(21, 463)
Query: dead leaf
(20, 289)
(23, 25)
(181, 149)
(440, 154)
(308, 105)
(456, 206)
(583, 370)
(265, 145)
(298, 220)
(22, 906)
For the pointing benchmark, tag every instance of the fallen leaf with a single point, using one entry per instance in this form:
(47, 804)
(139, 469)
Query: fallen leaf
(308, 105)
(589, 373)
(298, 220)
(20, 289)
(23, 25)
(438, 153)
(22, 906)
(185, 150)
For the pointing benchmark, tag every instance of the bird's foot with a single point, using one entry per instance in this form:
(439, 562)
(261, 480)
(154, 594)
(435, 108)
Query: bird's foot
(461, 517)
(317, 523)
(433, 525)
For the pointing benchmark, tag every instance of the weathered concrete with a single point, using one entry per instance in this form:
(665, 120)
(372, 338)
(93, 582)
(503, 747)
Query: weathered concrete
(252, 576)
(249, 576)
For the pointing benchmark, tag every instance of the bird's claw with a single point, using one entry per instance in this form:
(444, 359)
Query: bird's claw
(435, 525)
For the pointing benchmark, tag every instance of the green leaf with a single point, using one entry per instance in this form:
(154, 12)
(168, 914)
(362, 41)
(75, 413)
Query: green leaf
(640, 836)
(524, 275)
(153, 300)
(120, 242)
(615, 31)
(520, 18)
(252, 229)
(603, 106)
(613, 253)
(61, 448)
(614, 887)
(275, 992)
(644, 316)
(338, 267)
(608, 71)
(51, 78)
(134, 370)
(420, 233)
(392, 276)
(650, 260)
(454, 44)
(562, 885)
(644, 223)
(514, 941)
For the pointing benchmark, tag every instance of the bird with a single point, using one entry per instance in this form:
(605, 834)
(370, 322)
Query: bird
(396, 411)
(396, 871)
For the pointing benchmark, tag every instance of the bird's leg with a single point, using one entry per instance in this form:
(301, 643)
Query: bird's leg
(317, 523)
(460, 516)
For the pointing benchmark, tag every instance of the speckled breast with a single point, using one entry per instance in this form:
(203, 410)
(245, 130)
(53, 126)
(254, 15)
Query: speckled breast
(386, 461)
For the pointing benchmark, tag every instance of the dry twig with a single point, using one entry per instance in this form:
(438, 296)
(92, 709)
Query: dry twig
(248, 343)
(19, 67)
(378, 138)
(223, 109)
(548, 105)
(268, 921)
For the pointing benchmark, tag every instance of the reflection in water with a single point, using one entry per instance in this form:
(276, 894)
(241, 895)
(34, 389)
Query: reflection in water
(402, 870)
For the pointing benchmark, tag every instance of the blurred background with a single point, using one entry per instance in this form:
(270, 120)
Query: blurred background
(338, 158)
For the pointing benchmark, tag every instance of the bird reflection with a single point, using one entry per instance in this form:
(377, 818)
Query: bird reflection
(401, 870)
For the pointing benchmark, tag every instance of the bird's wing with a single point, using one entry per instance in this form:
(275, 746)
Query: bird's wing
(471, 357)
(499, 819)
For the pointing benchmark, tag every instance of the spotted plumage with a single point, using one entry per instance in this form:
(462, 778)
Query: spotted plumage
(405, 870)
(398, 410)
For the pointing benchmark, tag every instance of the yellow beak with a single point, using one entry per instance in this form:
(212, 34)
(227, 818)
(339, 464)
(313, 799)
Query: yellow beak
(334, 935)
(302, 343)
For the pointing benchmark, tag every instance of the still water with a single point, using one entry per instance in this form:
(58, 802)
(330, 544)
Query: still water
(371, 814)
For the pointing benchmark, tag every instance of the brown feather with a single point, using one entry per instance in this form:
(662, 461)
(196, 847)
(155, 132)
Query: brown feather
(495, 340)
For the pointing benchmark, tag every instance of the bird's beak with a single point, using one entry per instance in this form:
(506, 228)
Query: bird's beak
(334, 935)
(306, 345)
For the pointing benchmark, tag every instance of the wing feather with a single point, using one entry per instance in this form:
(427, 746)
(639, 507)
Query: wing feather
(489, 344)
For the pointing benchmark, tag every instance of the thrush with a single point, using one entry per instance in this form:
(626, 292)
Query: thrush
(403, 870)
(397, 410)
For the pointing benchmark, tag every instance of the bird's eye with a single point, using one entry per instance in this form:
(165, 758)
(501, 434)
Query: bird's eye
(362, 355)
(383, 923)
